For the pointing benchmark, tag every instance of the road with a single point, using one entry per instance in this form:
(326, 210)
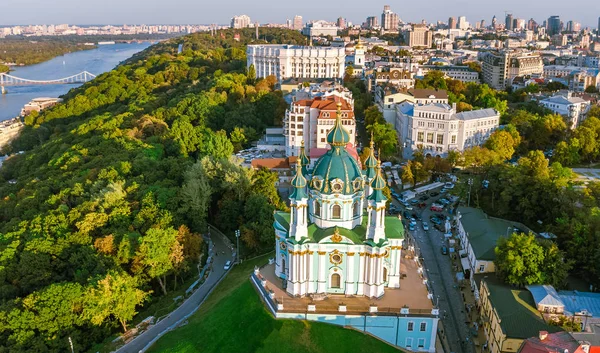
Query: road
(442, 279)
(219, 246)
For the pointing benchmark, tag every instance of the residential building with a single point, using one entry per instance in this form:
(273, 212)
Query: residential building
(281, 166)
(308, 121)
(320, 29)
(341, 23)
(558, 342)
(462, 23)
(508, 315)
(583, 78)
(478, 234)
(500, 68)
(242, 21)
(452, 23)
(437, 128)
(297, 23)
(419, 36)
(387, 98)
(372, 22)
(508, 23)
(573, 109)
(292, 61)
(399, 77)
(455, 72)
(389, 20)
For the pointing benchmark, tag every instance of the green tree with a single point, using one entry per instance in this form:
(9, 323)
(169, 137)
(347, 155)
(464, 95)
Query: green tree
(116, 295)
(407, 174)
(196, 195)
(251, 74)
(503, 143)
(385, 137)
(520, 260)
(156, 253)
(373, 116)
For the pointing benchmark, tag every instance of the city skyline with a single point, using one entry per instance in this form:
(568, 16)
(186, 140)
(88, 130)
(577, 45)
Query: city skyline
(154, 11)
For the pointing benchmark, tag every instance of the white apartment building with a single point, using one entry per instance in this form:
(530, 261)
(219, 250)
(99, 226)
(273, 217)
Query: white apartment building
(309, 120)
(437, 128)
(320, 29)
(242, 21)
(460, 73)
(387, 99)
(500, 68)
(574, 109)
(291, 61)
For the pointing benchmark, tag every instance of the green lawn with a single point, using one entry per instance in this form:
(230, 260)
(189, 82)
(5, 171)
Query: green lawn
(233, 319)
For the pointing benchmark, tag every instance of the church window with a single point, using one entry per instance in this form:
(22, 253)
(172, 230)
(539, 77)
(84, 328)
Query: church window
(317, 209)
(337, 212)
(335, 280)
(356, 209)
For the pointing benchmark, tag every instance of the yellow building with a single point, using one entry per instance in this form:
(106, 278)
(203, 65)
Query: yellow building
(508, 315)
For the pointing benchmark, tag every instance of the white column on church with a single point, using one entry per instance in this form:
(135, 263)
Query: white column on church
(322, 285)
(350, 275)
(361, 276)
(311, 283)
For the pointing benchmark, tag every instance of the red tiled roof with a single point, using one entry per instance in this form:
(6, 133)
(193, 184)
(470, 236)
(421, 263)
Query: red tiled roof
(554, 342)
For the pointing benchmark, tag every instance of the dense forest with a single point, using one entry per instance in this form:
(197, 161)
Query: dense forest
(103, 211)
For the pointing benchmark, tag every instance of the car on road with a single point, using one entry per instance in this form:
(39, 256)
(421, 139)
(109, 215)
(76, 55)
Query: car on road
(444, 250)
(413, 221)
(227, 265)
(449, 185)
(435, 219)
(425, 226)
(414, 201)
(409, 208)
(436, 208)
(411, 227)
(406, 215)
(443, 201)
(424, 198)
(443, 191)
(434, 194)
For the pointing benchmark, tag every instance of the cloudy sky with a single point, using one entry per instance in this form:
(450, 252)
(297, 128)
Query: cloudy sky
(210, 11)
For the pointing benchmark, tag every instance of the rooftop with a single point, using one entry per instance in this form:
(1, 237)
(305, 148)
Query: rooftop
(545, 295)
(394, 229)
(484, 231)
(553, 342)
(516, 309)
(576, 302)
(477, 114)
(424, 93)
(559, 99)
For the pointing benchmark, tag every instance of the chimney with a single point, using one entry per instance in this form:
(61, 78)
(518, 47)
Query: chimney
(543, 335)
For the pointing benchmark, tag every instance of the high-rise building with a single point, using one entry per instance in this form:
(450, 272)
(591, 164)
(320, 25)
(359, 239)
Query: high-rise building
(500, 68)
(599, 26)
(297, 25)
(462, 23)
(482, 24)
(518, 24)
(242, 21)
(341, 23)
(573, 26)
(554, 25)
(508, 23)
(532, 25)
(372, 22)
(494, 22)
(452, 23)
(419, 36)
(389, 20)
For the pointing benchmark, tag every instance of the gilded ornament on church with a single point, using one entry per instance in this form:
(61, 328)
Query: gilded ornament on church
(336, 237)
(335, 257)
(321, 252)
(282, 246)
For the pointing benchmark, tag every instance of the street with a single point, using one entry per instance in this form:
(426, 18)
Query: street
(442, 278)
(192, 303)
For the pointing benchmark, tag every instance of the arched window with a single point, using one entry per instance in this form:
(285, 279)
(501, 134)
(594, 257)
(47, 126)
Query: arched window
(335, 280)
(317, 209)
(356, 209)
(337, 212)
(283, 264)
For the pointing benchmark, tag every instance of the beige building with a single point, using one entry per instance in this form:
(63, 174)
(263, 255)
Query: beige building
(389, 20)
(500, 68)
(419, 36)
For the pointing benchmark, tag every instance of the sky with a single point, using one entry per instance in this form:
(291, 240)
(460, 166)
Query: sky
(277, 11)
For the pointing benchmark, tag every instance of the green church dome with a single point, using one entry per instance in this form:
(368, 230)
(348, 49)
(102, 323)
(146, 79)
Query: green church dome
(337, 172)
(338, 136)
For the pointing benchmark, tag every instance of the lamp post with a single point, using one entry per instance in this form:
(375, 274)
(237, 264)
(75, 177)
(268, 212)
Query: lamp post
(469, 199)
(237, 236)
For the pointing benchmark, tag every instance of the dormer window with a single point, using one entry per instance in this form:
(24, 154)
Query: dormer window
(337, 185)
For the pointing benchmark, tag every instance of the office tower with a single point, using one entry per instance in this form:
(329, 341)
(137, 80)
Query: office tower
(297, 25)
(494, 22)
(554, 25)
(462, 22)
(389, 20)
(509, 22)
(372, 22)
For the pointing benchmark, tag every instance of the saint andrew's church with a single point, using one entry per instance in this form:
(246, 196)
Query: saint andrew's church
(337, 238)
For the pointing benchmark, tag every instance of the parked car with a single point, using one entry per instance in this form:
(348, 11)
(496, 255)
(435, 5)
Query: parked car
(443, 191)
(409, 208)
(443, 201)
(444, 250)
(414, 201)
(406, 215)
(449, 185)
(435, 220)
(440, 227)
(411, 227)
(436, 208)
(422, 205)
(434, 194)
(227, 265)
(424, 198)
(413, 221)
(425, 226)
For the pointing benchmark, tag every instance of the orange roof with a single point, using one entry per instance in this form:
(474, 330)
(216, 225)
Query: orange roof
(274, 163)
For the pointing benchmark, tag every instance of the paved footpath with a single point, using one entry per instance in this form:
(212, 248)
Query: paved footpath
(140, 343)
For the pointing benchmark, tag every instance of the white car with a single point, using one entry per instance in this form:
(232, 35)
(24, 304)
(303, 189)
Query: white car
(227, 265)
(449, 186)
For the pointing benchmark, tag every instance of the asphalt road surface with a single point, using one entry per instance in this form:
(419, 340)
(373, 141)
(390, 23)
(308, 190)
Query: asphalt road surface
(224, 254)
(441, 276)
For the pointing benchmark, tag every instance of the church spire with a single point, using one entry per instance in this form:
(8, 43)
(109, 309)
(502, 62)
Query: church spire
(299, 183)
(378, 184)
(371, 161)
(338, 136)
(303, 158)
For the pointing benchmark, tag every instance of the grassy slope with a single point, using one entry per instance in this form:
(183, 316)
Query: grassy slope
(233, 319)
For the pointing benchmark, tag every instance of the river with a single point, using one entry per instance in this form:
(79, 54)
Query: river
(95, 61)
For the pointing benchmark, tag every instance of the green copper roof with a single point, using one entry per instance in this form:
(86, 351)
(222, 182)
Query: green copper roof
(378, 184)
(338, 136)
(337, 163)
(299, 184)
(394, 229)
(303, 158)
(371, 162)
